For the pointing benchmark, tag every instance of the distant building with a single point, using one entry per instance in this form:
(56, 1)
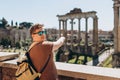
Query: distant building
(103, 35)
(14, 34)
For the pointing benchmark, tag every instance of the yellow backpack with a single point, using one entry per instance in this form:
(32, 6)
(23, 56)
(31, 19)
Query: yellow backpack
(26, 70)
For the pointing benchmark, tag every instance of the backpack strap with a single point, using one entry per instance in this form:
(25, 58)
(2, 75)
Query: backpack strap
(30, 61)
(45, 65)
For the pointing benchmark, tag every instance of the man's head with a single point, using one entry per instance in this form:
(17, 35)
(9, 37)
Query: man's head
(37, 33)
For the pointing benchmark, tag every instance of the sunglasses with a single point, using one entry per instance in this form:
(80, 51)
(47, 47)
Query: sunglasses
(41, 33)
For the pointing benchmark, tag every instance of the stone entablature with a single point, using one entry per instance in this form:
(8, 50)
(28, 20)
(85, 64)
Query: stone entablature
(77, 15)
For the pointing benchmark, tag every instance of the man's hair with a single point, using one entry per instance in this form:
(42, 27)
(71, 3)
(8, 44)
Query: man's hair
(34, 27)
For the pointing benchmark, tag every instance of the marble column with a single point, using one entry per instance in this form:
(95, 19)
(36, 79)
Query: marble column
(95, 34)
(86, 36)
(86, 41)
(116, 22)
(65, 34)
(79, 31)
(66, 29)
(116, 55)
(118, 31)
(59, 28)
(71, 33)
(63, 25)
(95, 41)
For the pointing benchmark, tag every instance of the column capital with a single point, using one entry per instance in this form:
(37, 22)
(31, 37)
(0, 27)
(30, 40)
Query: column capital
(96, 17)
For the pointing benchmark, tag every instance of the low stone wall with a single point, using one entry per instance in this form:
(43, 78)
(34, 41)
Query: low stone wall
(84, 72)
(7, 71)
(66, 72)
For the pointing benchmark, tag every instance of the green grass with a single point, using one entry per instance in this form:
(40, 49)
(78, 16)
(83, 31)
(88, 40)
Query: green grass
(107, 62)
(80, 60)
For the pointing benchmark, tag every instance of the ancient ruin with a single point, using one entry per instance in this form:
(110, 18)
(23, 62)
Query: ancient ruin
(77, 13)
(116, 55)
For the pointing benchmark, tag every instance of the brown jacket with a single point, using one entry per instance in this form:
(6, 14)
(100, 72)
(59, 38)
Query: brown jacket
(39, 55)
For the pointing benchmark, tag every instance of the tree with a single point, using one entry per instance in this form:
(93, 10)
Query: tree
(4, 22)
(5, 42)
(12, 23)
(25, 24)
(16, 24)
(17, 45)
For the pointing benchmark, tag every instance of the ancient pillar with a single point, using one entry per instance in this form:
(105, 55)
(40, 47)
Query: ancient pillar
(59, 28)
(71, 33)
(79, 33)
(86, 41)
(66, 29)
(116, 55)
(86, 36)
(95, 34)
(95, 41)
(65, 34)
(63, 24)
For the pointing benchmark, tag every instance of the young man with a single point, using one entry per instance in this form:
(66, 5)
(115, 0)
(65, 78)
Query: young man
(41, 49)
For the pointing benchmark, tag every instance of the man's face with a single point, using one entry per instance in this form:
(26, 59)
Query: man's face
(39, 35)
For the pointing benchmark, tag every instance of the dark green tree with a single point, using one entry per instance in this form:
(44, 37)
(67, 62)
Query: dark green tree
(12, 23)
(16, 24)
(4, 22)
(25, 24)
(5, 42)
(17, 45)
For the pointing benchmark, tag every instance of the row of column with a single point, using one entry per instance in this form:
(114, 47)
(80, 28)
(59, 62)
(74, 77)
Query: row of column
(63, 23)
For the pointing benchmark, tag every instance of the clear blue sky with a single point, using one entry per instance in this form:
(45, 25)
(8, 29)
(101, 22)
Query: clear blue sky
(45, 11)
